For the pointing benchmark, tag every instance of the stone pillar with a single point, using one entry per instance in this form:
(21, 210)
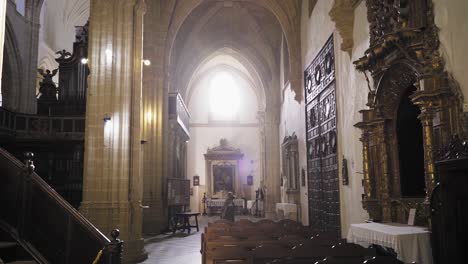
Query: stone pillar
(112, 181)
(272, 162)
(2, 36)
(155, 131)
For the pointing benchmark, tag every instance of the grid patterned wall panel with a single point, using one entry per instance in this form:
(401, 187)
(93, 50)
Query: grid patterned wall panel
(322, 160)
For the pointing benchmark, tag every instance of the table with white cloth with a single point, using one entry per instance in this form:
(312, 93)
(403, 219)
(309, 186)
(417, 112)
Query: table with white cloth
(215, 206)
(288, 210)
(411, 243)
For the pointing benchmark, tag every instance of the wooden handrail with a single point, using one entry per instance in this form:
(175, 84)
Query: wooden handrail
(40, 216)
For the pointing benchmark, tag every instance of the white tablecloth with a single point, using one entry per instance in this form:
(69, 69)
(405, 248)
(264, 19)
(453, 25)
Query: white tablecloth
(220, 202)
(411, 243)
(287, 209)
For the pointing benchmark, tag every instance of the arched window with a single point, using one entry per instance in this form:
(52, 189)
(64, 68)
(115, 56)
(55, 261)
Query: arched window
(21, 7)
(224, 97)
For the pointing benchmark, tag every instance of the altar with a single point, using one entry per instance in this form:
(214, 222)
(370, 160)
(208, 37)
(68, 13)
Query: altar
(215, 206)
(222, 175)
(288, 211)
(411, 243)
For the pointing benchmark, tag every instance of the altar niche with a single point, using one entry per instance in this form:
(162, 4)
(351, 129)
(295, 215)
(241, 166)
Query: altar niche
(222, 170)
(409, 81)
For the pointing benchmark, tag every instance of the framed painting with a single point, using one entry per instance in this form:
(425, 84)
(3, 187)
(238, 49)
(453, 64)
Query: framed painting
(223, 178)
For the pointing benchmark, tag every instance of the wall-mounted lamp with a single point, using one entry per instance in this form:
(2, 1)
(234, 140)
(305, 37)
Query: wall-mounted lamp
(147, 62)
(106, 118)
(84, 60)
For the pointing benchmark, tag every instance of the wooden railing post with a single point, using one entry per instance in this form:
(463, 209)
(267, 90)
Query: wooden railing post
(114, 249)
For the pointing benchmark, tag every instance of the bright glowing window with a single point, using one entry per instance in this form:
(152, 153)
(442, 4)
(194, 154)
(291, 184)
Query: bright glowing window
(224, 97)
(21, 6)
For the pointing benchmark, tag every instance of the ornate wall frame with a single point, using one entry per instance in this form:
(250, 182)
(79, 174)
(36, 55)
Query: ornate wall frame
(220, 156)
(290, 162)
(403, 52)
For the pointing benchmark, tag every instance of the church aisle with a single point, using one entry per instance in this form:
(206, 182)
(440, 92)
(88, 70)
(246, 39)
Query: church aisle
(180, 248)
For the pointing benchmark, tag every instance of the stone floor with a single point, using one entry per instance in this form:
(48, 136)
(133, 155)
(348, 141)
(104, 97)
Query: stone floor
(180, 248)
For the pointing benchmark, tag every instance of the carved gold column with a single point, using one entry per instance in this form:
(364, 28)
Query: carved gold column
(385, 175)
(365, 159)
(427, 102)
(426, 118)
(370, 201)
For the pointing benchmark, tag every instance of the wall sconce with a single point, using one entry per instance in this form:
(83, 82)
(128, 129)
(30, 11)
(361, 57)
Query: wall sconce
(196, 180)
(106, 118)
(147, 62)
(344, 171)
(250, 180)
(84, 60)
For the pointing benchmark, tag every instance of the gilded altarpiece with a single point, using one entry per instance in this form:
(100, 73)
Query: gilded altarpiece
(403, 53)
(222, 171)
(322, 159)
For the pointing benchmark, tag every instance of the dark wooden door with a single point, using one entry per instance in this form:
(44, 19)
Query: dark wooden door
(322, 160)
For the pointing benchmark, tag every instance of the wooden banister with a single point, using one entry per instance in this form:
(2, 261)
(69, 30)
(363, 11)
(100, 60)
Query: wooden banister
(37, 214)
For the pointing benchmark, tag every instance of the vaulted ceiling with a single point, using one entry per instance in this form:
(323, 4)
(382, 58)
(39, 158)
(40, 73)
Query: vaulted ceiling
(252, 32)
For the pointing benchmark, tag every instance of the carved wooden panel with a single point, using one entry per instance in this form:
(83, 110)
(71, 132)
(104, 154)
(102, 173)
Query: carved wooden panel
(322, 161)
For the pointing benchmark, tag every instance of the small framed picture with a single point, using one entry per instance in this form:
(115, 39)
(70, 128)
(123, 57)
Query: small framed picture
(196, 180)
(250, 180)
(303, 177)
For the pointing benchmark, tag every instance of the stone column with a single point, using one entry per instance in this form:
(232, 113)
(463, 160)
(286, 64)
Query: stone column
(2, 35)
(112, 182)
(272, 162)
(155, 98)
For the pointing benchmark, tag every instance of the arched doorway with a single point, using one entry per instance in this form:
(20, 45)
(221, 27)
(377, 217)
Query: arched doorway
(410, 147)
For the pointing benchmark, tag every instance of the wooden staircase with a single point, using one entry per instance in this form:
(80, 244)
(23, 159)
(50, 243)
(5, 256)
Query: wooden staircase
(12, 252)
(38, 226)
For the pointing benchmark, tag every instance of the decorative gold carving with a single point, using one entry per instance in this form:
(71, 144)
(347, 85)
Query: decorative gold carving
(403, 52)
(365, 152)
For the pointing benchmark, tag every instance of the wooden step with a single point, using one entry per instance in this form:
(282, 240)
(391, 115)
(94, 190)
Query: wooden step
(7, 244)
(22, 262)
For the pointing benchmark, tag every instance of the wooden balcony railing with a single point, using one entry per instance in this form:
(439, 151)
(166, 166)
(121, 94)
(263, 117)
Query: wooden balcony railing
(49, 228)
(25, 126)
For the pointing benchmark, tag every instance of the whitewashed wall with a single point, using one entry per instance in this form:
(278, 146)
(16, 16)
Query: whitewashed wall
(450, 17)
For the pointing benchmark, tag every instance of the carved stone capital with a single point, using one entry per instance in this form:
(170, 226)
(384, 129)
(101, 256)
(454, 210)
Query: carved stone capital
(342, 13)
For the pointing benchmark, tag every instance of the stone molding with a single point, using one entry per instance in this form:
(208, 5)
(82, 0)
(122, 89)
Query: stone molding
(342, 13)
